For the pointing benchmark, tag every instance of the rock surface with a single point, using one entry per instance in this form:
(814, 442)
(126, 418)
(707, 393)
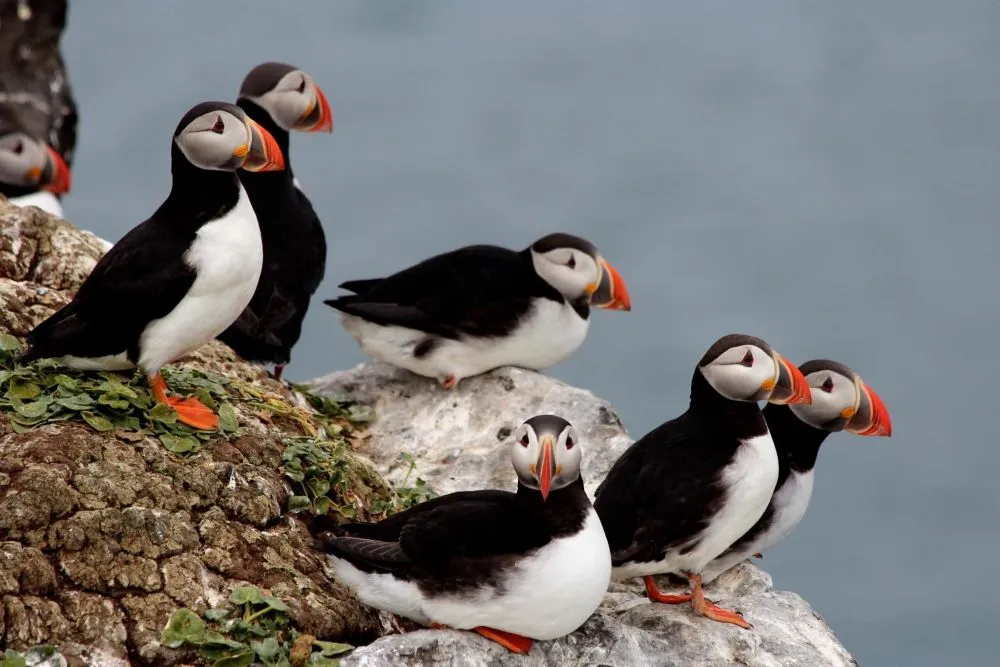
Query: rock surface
(460, 439)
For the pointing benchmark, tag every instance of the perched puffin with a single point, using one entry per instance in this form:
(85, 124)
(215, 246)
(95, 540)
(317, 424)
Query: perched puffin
(175, 281)
(32, 173)
(685, 491)
(280, 98)
(511, 566)
(477, 308)
(840, 401)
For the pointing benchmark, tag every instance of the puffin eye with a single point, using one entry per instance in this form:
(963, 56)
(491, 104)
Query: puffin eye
(572, 262)
(569, 442)
(219, 126)
(827, 385)
(18, 147)
(525, 440)
(302, 85)
(747, 359)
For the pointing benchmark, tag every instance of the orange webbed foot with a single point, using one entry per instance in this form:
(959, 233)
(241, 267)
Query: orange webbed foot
(448, 382)
(508, 640)
(190, 411)
(655, 595)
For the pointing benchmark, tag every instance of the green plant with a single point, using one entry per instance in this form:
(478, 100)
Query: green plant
(42, 655)
(257, 629)
(340, 407)
(316, 466)
(405, 497)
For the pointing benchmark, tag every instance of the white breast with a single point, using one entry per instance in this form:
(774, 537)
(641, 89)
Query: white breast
(549, 333)
(46, 201)
(227, 256)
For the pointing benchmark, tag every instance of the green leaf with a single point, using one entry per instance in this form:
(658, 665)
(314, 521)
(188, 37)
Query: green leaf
(184, 627)
(114, 385)
(332, 649)
(127, 423)
(241, 659)
(13, 660)
(267, 650)
(274, 603)
(77, 402)
(206, 398)
(35, 409)
(179, 444)
(322, 505)
(9, 344)
(244, 594)
(216, 614)
(66, 382)
(112, 401)
(228, 421)
(215, 639)
(319, 486)
(23, 390)
(97, 422)
(162, 412)
(299, 504)
(4, 376)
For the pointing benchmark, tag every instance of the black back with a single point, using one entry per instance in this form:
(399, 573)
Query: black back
(294, 258)
(144, 276)
(480, 290)
(665, 489)
(463, 539)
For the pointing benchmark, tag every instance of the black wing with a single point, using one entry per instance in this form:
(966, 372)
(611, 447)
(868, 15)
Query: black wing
(477, 291)
(142, 278)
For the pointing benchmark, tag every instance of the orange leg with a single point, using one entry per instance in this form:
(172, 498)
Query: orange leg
(278, 369)
(654, 594)
(448, 382)
(190, 411)
(710, 610)
(757, 555)
(508, 640)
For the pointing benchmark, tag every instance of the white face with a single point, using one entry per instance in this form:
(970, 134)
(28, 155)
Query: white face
(742, 372)
(528, 456)
(572, 272)
(835, 399)
(216, 140)
(22, 159)
(288, 101)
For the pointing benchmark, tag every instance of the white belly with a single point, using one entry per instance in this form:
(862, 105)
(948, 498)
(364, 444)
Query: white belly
(750, 480)
(46, 201)
(547, 595)
(227, 256)
(547, 336)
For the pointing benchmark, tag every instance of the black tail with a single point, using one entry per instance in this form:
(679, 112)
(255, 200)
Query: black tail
(359, 286)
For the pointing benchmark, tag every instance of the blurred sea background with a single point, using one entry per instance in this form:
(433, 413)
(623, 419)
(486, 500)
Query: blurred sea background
(822, 175)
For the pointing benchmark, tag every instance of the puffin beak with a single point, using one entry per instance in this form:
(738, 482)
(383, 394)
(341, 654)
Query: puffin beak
(55, 174)
(263, 154)
(872, 417)
(545, 466)
(318, 117)
(790, 386)
(610, 293)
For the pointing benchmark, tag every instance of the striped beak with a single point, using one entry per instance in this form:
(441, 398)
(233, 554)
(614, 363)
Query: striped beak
(263, 153)
(318, 117)
(610, 293)
(871, 417)
(790, 386)
(545, 466)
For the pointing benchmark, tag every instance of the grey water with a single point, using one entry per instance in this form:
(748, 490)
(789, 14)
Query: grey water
(822, 175)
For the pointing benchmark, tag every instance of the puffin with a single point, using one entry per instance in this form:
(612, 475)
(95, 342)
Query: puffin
(841, 401)
(468, 311)
(32, 173)
(177, 280)
(280, 98)
(514, 567)
(683, 493)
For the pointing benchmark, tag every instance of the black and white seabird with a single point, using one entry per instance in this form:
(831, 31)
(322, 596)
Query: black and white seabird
(175, 281)
(511, 566)
(841, 401)
(32, 173)
(281, 98)
(481, 307)
(685, 491)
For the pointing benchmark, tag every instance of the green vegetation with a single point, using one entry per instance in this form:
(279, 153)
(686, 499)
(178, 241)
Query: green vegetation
(256, 629)
(405, 497)
(42, 655)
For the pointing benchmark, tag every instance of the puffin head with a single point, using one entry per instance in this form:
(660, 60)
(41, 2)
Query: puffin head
(27, 162)
(289, 96)
(575, 268)
(745, 368)
(220, 136)
(842, 401)
(546, 454)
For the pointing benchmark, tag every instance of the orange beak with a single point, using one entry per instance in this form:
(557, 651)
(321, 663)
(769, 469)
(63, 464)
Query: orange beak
(56, 175)
(318, 117)
(264, 154)
(791, 386)
(545, 467)
(872, 417)
(610, 293)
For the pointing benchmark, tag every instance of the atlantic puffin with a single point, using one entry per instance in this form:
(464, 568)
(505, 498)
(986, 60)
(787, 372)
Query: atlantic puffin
(481, 307)
(513, 567)
(684, 492)
(841, 401)
(281, 98)
(32, 173)
(175, 281)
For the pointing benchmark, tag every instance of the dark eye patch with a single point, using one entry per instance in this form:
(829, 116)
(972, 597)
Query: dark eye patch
(827, 385)
(525, 440)
(219, 126)
(572, 262)
(747, 358)
(569, 442)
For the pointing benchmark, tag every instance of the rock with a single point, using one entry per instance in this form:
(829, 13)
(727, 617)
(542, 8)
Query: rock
(459, 440)
(35, 95)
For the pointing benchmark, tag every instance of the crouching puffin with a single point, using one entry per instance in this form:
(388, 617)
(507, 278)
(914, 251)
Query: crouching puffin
(685, 491)
(175, 281)
(513, 567)
(477, 308)
(840, 401)
(32, 173)
(280, 98)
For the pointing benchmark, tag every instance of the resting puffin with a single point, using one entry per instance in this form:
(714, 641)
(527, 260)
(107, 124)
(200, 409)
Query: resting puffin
(685, 491)
(511, 566)
(280, 98)
(32, 173)
(840, 401)
(477, 308)
(175, 281)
